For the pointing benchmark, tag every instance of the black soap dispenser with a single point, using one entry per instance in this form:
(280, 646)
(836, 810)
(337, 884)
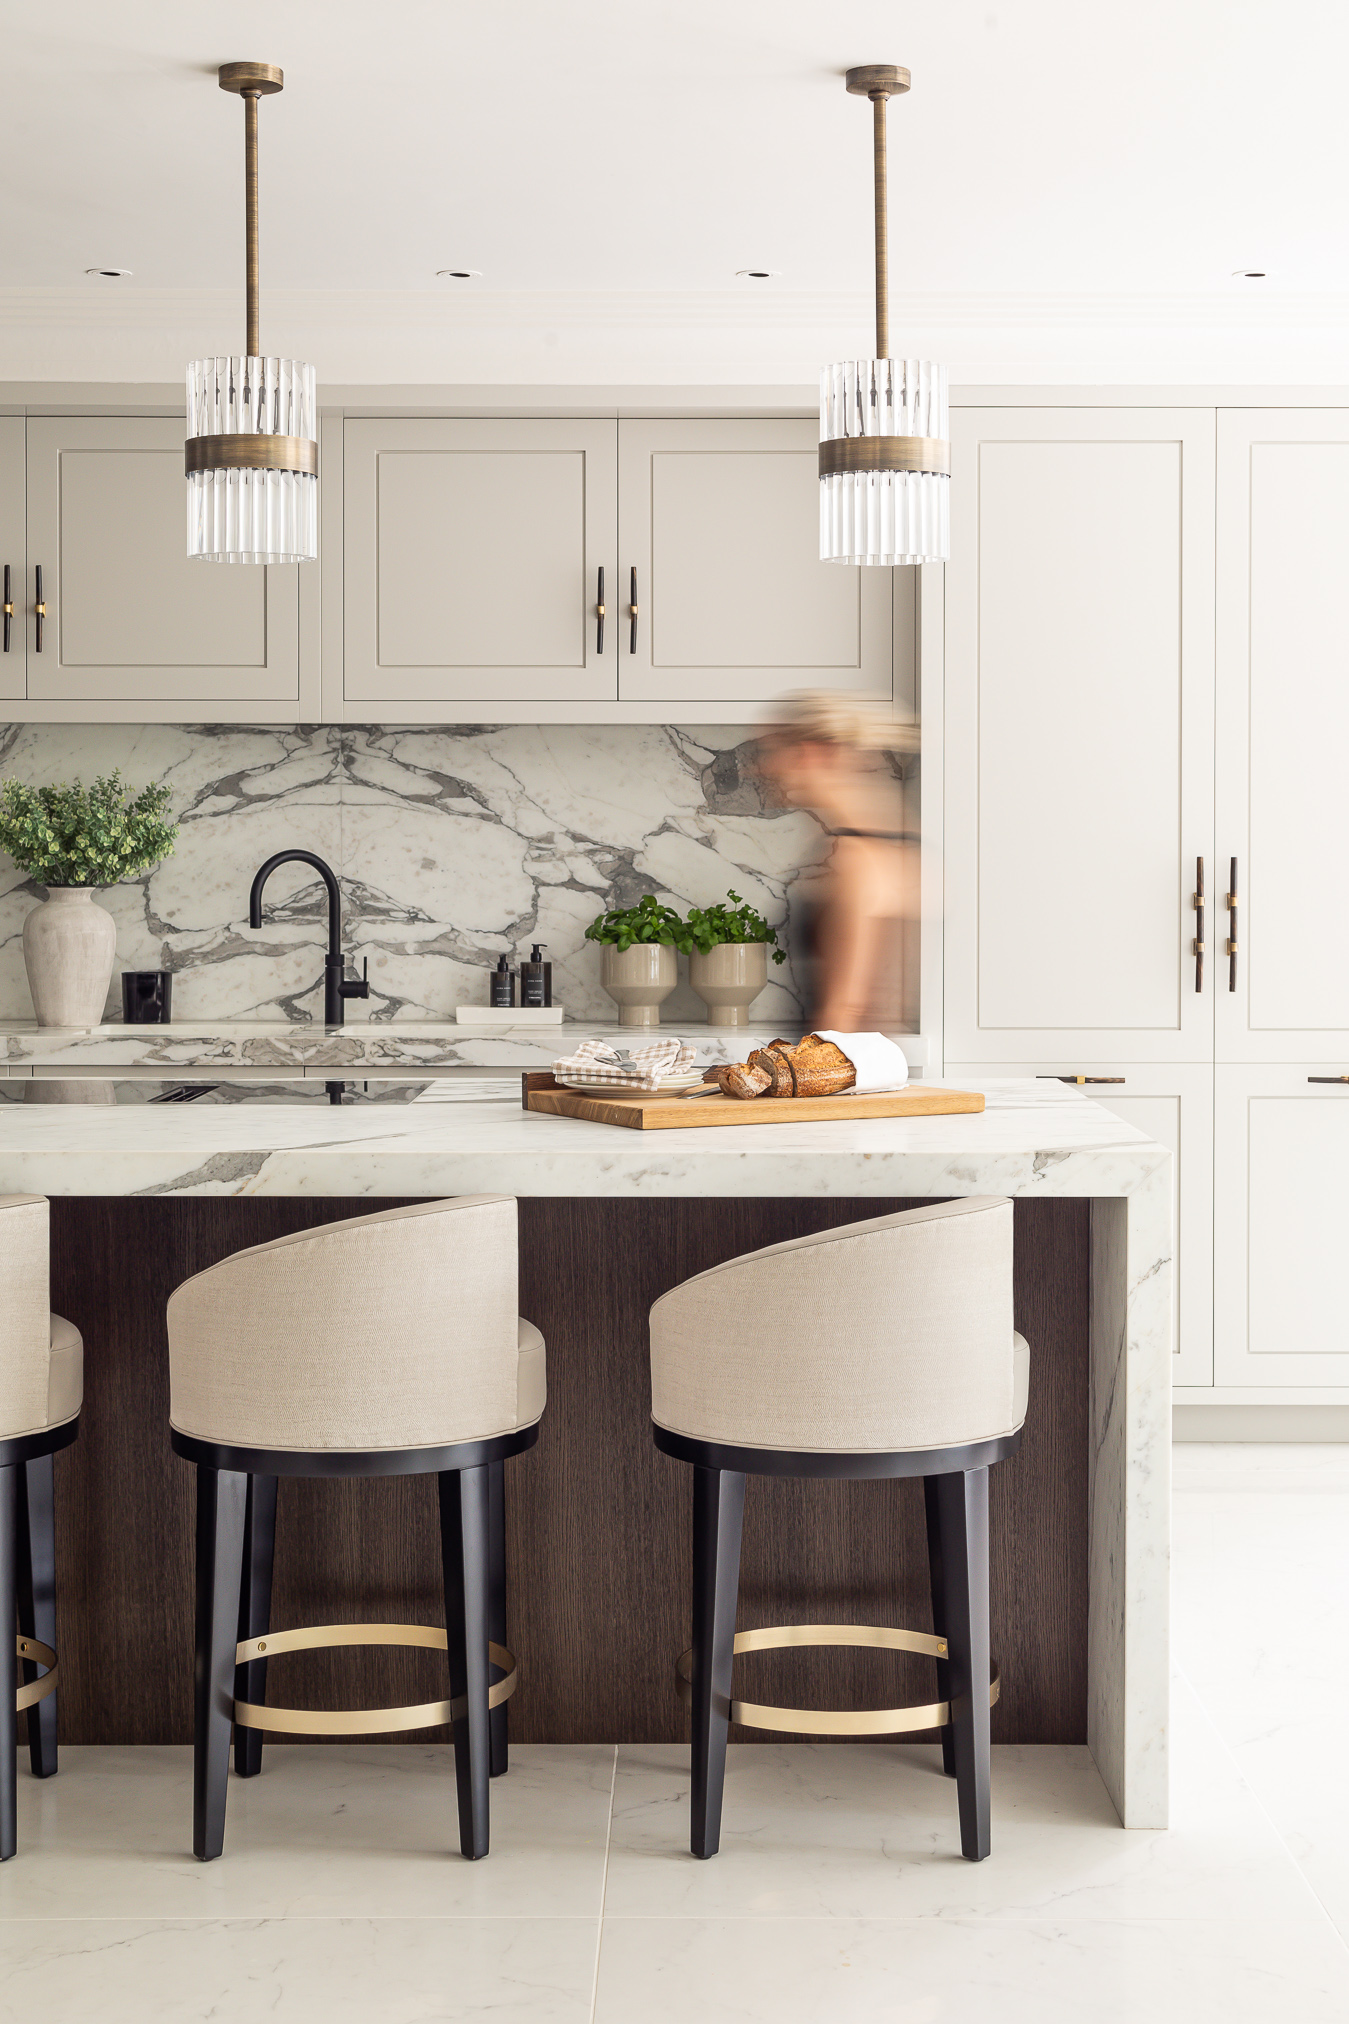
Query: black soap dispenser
(536, 978)
(503, 984)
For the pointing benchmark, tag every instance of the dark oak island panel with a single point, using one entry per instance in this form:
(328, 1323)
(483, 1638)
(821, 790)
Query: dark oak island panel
(598, 1522)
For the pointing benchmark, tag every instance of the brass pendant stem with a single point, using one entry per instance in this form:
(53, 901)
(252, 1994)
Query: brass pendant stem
(253, 343)
(882, 227)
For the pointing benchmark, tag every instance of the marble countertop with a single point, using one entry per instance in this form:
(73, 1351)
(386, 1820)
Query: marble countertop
(367, 1044)
(472, 1137)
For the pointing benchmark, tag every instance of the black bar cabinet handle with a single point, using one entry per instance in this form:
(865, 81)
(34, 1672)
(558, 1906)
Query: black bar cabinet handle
(1232, 928)
(1199, 924)
(9, 607)
(599, 614)
(632, 612)
(1079, 1078)
(39, 608)
(1328, 1078)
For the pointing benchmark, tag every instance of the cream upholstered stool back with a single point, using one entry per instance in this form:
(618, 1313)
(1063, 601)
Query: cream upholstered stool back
(882, 1348)
(41, 1391)
(380, 1345)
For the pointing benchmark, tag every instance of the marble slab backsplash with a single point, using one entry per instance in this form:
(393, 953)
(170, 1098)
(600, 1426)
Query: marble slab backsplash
(451, 844)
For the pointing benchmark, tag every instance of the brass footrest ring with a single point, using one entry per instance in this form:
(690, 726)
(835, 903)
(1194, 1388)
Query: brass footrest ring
(36, 1690)
(360, 1721)
(835, 1721)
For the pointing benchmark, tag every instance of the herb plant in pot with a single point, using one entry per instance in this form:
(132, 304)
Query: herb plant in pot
(638, 964)
(728, 958)
(75, 840)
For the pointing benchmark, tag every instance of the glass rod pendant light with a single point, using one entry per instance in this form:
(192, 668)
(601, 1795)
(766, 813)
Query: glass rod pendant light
(885, 460)
(251, 455)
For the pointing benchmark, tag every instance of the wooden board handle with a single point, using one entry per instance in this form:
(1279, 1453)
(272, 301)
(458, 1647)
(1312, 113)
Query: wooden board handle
(536, 1078)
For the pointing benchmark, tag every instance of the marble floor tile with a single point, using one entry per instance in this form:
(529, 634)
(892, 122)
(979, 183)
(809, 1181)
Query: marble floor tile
(960, 1971)
(363, 1831)
(307, 1971)
(870, 1831)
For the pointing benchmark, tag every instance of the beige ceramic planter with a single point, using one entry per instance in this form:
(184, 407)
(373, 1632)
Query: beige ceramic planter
(728, 979)
(68, 947)
(638, 980)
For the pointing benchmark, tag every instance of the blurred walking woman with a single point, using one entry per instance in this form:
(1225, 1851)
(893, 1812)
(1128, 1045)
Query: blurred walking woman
(830, 754)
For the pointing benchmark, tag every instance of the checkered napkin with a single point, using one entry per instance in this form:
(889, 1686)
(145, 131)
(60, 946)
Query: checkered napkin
(596, 1061)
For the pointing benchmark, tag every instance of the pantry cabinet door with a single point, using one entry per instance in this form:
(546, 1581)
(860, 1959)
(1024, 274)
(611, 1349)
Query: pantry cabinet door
(472, 552)
(14, 656)
(720, 522)
(1281, 1209)
(1078, 734)
(1173, 1105)
(1283, 733)
(129, 619)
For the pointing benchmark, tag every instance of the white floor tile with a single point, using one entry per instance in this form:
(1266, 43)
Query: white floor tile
(960, 1971)
(870, 1831)
(364, 1831)
(307, 1971)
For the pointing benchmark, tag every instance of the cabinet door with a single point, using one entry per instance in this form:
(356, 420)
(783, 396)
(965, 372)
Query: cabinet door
(1283, 733)
(13, 658)
(1078, 733)
(721, 521)
(1281, 1209)
(1173, 1105)
(129, 618)
(472, 552)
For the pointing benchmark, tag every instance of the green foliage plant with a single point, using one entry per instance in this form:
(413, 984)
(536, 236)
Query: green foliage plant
(85, 836)
(708, 927)
(648, 921)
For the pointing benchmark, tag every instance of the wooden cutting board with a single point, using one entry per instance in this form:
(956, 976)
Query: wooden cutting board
(541, 1091)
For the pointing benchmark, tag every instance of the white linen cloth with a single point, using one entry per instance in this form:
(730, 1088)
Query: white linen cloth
(880, 1064)
(597, 1061)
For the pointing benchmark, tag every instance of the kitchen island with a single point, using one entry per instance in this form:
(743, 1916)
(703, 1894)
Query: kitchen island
(598, 1528)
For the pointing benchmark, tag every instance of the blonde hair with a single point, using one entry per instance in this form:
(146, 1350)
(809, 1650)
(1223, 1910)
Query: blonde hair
(832, 717)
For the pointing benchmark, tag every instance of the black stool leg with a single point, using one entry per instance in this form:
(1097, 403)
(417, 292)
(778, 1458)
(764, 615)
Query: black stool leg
(963, 1503)
(496, 1602)
(464, 1527)
(37, 1596)
(9, 1665)
(222, 1495)
(938, 1584)
(255, 1613)
(718, 1512)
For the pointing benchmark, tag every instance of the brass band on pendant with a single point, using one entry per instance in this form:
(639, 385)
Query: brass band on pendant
(251, 453)
(885, 453)
(835, 1721)
(360, 1721)
(36, 1653)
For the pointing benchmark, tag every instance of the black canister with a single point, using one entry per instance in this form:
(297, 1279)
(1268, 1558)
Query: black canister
(147, 997)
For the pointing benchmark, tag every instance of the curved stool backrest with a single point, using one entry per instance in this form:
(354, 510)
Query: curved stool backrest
(25, 1317)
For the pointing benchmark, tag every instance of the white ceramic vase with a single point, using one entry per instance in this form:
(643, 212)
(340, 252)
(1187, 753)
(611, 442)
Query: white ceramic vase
(69, 945)
(638, 980)
(728, 979)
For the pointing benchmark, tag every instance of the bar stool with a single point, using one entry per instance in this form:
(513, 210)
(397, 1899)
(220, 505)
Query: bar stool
(880, 1349)
(386, 1345)
(41, 1390)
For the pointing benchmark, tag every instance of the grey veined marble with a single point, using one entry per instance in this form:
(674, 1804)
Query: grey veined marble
(452, 844)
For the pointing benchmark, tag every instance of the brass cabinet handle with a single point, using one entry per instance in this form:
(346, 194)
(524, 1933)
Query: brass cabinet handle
(632, 613)
(1079, 1078)
(9, 607)
(1199, 924)
(39, 608)
(599, 613)
(1328, 1078)
(1232, 928)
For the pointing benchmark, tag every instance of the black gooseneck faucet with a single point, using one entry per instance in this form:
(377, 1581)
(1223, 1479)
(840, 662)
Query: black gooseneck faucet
(335, 987)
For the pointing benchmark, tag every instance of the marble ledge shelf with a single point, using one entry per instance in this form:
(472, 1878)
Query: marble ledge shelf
(424, 1044)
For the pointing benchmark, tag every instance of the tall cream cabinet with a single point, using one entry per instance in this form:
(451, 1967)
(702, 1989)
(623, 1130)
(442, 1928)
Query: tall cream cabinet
(13, 561)
(1145, 667)
(132, 629)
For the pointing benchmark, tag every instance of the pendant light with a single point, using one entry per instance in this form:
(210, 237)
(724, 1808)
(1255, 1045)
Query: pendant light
(885, 459)
(251, 455)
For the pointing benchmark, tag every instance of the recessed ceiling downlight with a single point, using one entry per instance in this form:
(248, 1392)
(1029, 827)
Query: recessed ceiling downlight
(109, 273)
(459, 273)
(758, 273)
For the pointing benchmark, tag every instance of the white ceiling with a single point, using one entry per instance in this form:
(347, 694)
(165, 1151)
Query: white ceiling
(1059, 165)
